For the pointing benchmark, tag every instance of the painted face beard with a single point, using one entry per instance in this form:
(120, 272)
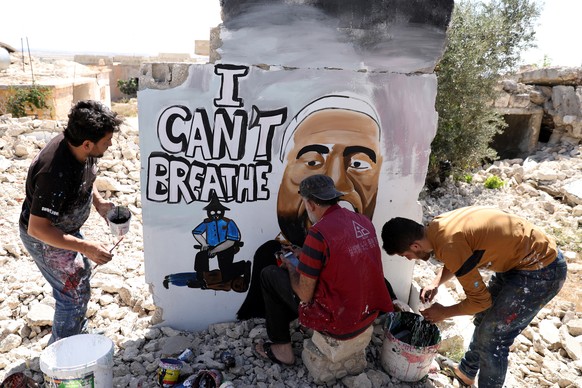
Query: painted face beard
(294, 228)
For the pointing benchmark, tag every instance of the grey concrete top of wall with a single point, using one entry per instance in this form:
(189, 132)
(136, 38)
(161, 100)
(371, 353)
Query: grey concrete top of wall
(405, 36)
(162, 75)
(552, 76)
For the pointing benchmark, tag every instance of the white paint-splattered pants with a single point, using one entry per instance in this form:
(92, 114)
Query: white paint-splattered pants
(68, 273)
(517, 298)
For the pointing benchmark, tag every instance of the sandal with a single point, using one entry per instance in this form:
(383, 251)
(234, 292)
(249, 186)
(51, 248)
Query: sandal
(268, 353)
(448, 369)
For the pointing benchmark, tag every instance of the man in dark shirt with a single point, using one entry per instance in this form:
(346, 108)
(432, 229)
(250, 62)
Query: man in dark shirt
(337, 287)
(59, 194)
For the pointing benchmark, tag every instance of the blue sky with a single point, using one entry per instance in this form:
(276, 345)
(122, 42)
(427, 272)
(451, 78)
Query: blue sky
(137, 27)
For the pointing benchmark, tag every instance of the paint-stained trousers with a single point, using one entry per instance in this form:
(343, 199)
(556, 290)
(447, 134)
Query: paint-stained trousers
(517, 298)
(68, 273)
(281, 303)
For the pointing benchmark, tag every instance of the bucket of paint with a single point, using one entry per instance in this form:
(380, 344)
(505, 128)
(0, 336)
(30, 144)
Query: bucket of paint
(169, 372)
(83, 360)
(410, 345)
(118, 219)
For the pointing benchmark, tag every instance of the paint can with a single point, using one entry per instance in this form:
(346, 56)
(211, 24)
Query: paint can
(410, 345)
(228, 359)
(169, 372)
(118, 219)
(186, 355)
(83, 360)
(204, 378)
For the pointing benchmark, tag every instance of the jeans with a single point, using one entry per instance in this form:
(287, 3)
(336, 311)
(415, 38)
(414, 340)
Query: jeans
(281, 303)
(68, 273)
(517, 298)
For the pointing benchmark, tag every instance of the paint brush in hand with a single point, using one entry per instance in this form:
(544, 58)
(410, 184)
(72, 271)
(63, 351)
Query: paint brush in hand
(111, 250)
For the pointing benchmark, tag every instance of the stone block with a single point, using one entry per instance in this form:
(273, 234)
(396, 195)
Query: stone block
(519, 100)
(325, 371)
(336, 350)
(202, 47)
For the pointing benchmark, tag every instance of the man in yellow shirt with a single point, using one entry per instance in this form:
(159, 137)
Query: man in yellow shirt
(529, 271)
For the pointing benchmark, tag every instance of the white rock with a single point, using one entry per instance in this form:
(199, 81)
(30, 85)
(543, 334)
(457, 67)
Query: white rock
(12, 341)
(570, 344)
(40, 314)
(574, 327)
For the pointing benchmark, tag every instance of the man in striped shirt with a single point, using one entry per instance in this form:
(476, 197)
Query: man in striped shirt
(337, 287)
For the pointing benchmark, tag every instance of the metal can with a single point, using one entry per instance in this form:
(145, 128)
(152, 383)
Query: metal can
(186, 355)
(228, 359)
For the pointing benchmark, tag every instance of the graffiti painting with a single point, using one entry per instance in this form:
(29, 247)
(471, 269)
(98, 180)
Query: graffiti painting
(222, 157)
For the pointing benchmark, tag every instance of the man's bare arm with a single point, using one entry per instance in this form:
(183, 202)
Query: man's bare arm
(303, 286)
(42, 229)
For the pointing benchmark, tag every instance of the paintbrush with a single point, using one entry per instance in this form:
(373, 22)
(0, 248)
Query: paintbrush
(111, 250)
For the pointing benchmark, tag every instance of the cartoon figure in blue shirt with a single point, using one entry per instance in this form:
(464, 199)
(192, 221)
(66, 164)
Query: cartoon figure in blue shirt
(218, 237)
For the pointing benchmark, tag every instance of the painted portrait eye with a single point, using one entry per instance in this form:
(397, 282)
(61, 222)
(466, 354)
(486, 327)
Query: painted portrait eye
(212, 212)
(360, 165)
(312, 160)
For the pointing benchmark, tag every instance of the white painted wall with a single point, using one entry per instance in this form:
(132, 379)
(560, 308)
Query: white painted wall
(405, 105)
(388, 63)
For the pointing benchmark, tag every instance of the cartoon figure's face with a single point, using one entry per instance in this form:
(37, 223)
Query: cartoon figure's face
(215, 214)
(342, 144)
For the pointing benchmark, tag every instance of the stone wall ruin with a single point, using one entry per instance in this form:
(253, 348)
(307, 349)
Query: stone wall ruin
(539, 105)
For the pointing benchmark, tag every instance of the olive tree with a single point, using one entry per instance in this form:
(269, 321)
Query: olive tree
(485, 39)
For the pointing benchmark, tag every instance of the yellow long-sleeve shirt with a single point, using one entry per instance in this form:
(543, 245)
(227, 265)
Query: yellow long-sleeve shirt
(472, 238)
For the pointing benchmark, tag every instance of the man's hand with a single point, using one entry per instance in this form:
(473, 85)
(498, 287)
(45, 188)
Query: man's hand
(288, 263)
(436, 313)
(427, 294)
(101, 205)
(296, 250)
(43, 230)
(96, 252)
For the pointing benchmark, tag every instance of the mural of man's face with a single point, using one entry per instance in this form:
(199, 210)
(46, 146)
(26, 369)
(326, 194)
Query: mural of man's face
(342, 144)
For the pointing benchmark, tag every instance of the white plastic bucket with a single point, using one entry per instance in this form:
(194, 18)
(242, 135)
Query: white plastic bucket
(80, 361)
(410, 345)
(118, 219)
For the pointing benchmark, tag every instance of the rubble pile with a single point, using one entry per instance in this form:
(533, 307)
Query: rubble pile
(544, 188)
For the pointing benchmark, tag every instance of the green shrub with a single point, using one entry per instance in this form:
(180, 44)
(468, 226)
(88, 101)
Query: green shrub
(494, 182)
(467, 178)
(129, 87)
(485, 39)
(27, 98)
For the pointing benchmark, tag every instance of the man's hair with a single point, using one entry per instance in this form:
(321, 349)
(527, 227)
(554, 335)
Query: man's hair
(90, 120)
(399, 233)
(322, 202)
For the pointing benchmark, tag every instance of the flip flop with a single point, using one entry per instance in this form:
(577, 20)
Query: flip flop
(448, 369)
(266, 345)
